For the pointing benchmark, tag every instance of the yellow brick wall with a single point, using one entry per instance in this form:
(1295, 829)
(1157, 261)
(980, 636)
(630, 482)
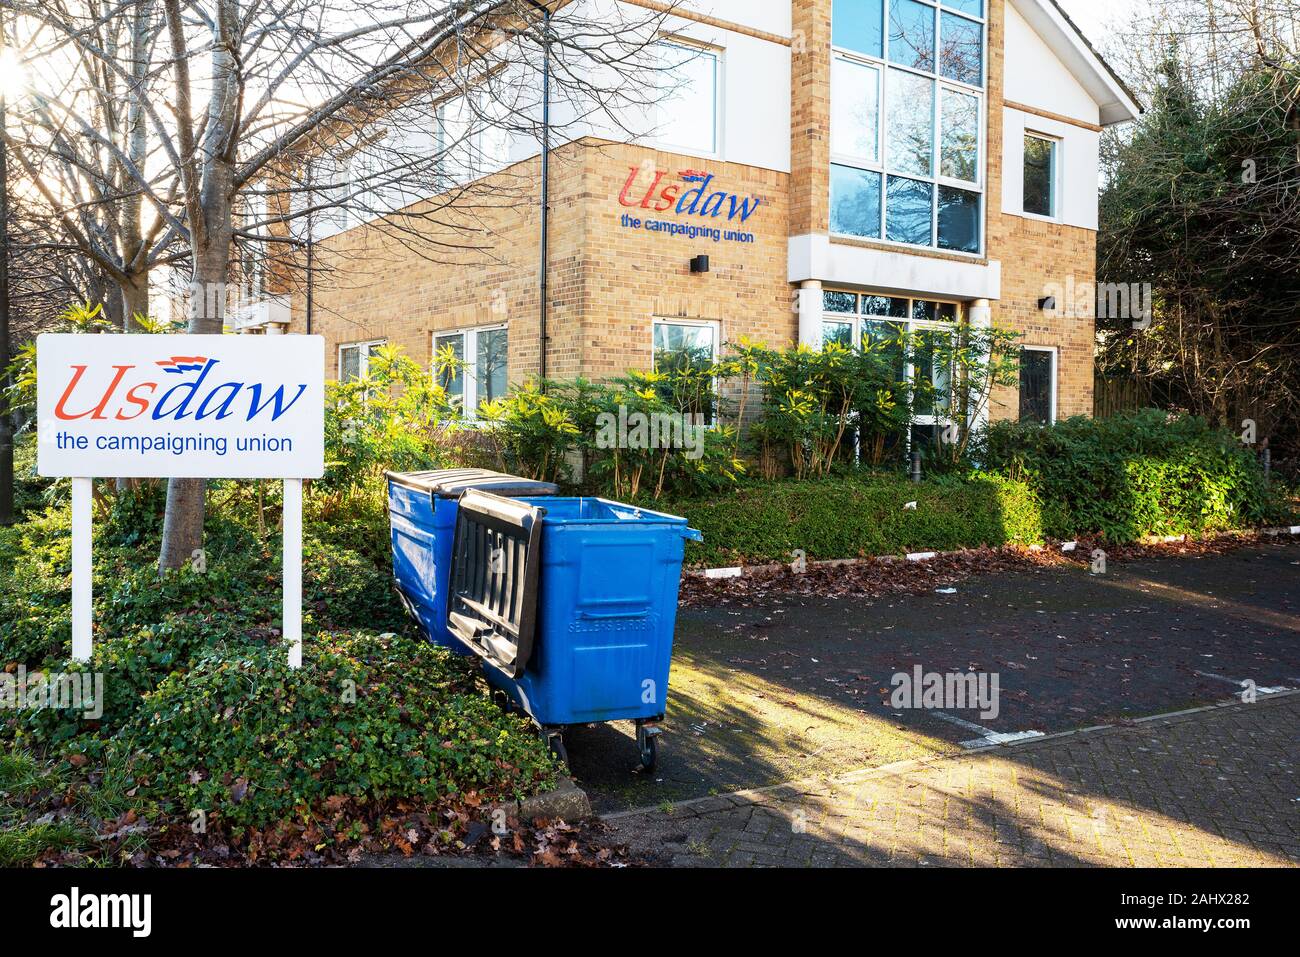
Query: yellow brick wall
(1035, 254)
(608, 282)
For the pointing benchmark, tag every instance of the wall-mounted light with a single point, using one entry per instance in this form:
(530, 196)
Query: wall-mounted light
(700, 264)
(1047, 304)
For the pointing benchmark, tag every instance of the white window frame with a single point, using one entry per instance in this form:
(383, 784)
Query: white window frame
(711, 324)
(469, 396)
(1058, 147)
(719, 74)
(363, 362)
(935, 179)
(910, 326)
(1055, 353)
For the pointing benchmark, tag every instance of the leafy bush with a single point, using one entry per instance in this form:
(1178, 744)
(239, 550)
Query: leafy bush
(252, 742)
(858, 517)
(398, 416)
(1136, 474)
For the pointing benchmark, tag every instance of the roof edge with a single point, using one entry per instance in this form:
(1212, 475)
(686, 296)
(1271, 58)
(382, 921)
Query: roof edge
(1116, 100)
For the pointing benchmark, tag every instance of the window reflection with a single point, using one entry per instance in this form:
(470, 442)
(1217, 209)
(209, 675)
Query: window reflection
(959, 220)
(910, 212)
(911, 123)
(959, 151)
(961, 49)
(911, 34)
(855, 202)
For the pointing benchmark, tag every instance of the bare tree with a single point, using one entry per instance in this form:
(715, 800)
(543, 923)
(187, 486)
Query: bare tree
(82, 139)
(258, 114)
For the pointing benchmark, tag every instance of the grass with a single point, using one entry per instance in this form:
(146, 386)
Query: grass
(22, 776)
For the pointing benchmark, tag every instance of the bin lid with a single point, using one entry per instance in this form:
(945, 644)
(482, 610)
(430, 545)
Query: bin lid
(495, 563)
(450, 483)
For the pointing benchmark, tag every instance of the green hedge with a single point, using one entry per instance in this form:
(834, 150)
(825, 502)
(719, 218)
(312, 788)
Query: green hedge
(857, 517)
(1141, 473)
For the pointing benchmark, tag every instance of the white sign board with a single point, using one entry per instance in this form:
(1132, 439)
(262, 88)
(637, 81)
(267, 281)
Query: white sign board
(180, 406)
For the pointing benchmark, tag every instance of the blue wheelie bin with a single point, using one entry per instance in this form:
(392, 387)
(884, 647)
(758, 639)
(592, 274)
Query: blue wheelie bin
(422, 518)
(571, 603)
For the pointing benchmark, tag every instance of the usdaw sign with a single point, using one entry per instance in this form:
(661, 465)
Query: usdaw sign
(185, 406)
(181, 406)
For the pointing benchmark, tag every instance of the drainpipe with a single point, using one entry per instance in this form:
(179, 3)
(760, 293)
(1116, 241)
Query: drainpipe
(311, 245)
(546, 185)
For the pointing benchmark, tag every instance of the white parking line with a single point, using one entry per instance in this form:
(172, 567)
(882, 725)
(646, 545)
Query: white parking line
(987, 738)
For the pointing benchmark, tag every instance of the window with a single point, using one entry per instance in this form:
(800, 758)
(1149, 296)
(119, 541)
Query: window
(686, 116)
(680, 343)
(1038, 385)
(480, 373)
(354, 359)
(885, 325)
(470, 139)
(1040, 175)
(683, 347)
(907, 122)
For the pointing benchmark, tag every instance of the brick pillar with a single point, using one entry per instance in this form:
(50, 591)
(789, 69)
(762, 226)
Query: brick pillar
(810, 117)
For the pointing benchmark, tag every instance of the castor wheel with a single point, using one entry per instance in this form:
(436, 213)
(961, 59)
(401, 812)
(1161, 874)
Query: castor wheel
(556, 743)
(647, 747)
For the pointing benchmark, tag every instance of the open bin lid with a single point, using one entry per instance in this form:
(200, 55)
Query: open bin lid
(495, 563)
(450, 483)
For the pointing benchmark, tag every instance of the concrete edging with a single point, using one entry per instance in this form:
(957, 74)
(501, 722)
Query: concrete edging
(776, 568)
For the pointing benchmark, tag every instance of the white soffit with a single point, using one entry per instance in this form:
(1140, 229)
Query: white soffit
(1069, 45)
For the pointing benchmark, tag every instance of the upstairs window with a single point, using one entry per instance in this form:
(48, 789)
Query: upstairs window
(1040, 175)
(907, 122)
(686, 111)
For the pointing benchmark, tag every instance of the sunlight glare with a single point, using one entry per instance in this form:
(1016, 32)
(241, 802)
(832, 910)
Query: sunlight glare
(13, 74)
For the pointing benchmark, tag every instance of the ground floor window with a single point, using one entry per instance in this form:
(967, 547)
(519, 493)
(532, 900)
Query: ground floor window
(909, 334)
(1038, 384)
(354, 359)
(474, 367)
(687, 351)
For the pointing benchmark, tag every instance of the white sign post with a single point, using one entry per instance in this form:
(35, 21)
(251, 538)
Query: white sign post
(181, 406)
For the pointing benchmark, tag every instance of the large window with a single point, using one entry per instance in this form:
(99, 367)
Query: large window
(354, 359)
(686, 114)
(477, 372)
(905, 332)
(907, 107)
(1040, 175)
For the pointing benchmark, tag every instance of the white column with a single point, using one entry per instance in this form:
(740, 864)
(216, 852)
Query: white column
(981, 317)
(810, 313)
(292, 557)
(82, 494)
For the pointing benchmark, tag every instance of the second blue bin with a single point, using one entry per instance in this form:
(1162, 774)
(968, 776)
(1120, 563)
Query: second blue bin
(422, 520)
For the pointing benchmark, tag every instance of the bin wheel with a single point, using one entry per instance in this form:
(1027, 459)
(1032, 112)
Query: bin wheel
(648, 748)
(556, 743)
(502, 701)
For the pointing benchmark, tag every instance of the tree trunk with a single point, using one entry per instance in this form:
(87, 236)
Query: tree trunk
(186, 504)
(135, 300)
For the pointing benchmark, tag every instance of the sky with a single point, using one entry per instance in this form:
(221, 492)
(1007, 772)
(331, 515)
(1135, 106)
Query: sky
(1092, 16)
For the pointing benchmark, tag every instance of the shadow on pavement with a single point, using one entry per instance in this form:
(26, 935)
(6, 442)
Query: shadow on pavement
(793, 687)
